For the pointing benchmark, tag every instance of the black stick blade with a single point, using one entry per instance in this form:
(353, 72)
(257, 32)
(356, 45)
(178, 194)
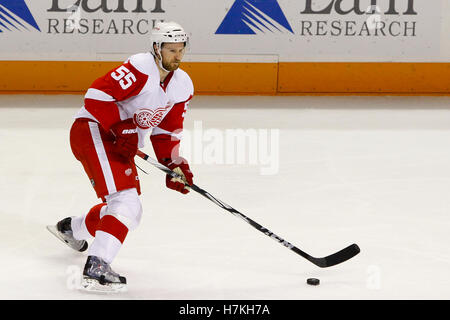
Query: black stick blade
(336, 258)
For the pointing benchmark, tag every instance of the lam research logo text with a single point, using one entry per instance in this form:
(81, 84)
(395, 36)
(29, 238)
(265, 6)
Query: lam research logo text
(15, 16)
(255, 17)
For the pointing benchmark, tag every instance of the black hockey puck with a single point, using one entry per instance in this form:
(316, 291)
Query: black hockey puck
(313, 281)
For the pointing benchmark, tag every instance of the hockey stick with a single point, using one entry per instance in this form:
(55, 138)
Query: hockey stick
(325, 262)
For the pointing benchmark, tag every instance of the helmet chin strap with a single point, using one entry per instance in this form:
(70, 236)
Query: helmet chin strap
(159, 57)
(161, 65)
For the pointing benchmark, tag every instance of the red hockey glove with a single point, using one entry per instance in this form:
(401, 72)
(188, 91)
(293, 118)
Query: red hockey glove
(178, 165)
(126, 143)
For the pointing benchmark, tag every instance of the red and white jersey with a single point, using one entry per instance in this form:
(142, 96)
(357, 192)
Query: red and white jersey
(134, 90)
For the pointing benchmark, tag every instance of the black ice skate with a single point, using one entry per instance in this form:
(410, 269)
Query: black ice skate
(98, 276)
(63, 232)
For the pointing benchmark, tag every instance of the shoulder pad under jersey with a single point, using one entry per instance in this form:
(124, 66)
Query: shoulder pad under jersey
(144, 62)
(183, 80)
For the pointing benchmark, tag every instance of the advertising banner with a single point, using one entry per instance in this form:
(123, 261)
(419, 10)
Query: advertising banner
(243, 30)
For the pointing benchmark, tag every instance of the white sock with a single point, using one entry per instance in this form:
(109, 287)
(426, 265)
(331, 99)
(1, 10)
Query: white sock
(105, 246)
(79, 229)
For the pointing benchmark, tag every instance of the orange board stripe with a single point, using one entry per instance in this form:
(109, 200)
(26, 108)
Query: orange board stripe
(243, 78)
(364, 77)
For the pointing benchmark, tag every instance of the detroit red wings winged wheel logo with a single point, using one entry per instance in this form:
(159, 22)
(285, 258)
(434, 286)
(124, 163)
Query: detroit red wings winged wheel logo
(146, 118)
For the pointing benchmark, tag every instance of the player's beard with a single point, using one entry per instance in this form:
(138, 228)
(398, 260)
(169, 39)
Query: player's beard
(170, 66)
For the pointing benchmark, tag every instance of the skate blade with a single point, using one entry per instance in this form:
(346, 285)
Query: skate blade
(53, 230)
(92, 285)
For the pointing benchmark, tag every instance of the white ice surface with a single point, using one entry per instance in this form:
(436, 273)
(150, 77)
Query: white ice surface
(368, 170)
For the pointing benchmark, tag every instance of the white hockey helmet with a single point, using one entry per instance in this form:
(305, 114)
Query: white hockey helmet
(167, 32)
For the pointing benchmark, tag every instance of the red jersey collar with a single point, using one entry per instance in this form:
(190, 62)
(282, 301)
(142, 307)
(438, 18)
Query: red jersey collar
(166, 81)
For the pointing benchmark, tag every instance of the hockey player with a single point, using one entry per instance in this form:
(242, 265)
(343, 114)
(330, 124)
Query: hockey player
(147, 93)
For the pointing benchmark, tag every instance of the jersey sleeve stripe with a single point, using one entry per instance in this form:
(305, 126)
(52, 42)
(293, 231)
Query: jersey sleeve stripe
(158, 131)
(96, 94)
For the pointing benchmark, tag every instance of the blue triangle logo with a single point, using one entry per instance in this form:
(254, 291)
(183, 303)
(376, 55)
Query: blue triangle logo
(253, 17)
(14, 14)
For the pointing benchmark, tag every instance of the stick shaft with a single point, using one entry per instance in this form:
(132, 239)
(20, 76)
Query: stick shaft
(333, 259)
